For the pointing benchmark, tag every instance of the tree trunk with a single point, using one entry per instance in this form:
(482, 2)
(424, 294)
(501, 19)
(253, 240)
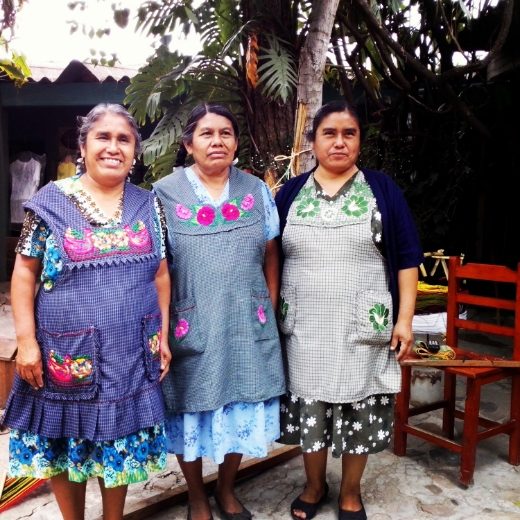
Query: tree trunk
(270, 123)
(312, 65)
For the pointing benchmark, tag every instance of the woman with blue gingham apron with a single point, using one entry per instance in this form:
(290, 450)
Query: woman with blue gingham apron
(96, 410)
(221, 395)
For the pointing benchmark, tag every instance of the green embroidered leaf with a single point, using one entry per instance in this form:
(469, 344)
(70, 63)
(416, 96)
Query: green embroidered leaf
(309, 207)
(378, 316)
(355, 206)
(76, 234)
(304, 193)
(57, 358)
(284, 309)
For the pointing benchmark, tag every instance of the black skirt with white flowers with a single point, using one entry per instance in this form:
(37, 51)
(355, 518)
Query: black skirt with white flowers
(360, 428)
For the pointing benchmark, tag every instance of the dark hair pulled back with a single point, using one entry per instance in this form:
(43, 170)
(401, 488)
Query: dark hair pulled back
(331, 108)
(191, 124)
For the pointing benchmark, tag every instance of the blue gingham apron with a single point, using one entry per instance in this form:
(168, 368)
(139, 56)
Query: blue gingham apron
(98, 328)
(223, 333)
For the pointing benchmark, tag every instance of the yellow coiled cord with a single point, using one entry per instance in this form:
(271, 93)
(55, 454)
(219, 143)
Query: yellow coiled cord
(445, 352)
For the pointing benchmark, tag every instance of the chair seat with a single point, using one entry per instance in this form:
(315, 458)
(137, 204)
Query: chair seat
(471, 372)
(474, 372)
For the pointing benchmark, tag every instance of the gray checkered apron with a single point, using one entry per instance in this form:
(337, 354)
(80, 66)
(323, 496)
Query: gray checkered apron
(98, 327)
(223, 333)
(336, 308)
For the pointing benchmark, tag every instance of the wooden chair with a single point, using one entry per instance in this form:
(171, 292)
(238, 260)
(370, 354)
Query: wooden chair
(486, 369)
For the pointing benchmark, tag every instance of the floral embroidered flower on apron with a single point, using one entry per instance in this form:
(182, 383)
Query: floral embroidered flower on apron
(182, 329)
(87, 244)
(69, 371)
(261, 315)
(230, 211)
(154, 342)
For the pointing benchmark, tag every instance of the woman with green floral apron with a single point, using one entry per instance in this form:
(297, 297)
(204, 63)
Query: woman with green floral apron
(349, 281)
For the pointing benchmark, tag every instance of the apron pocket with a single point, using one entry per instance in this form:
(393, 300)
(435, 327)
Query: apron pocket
(70, 364)
(374, 317)
(287, 312)
(152, 328)
(264, 321)
(184, 329)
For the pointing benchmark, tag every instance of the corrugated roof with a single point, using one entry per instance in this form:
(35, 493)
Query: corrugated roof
(78, 72)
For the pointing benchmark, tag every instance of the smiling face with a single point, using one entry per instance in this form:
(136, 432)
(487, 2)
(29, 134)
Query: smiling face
(337, 143)
(109, 150)
(213, 145)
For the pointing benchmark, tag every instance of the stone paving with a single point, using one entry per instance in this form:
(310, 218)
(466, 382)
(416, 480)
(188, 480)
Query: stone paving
(421, 485)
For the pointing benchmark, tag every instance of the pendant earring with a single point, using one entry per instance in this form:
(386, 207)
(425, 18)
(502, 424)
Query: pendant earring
(131, 171)
(80, 166)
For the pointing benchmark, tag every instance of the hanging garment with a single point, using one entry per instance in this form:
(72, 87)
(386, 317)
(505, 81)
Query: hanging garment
(26, 174)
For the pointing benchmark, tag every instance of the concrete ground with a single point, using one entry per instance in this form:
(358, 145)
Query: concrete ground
(421, 485)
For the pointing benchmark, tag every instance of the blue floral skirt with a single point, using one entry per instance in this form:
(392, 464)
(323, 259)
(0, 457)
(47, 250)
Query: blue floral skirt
(245, 428)
(120, 462)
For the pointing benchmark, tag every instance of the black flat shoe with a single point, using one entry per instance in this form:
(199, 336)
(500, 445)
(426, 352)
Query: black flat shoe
(308, 508)
(245, 514)
(353, 515)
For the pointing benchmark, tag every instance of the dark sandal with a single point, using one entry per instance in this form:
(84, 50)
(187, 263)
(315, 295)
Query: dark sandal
(245, 514)
(353, 515)
(308, 508)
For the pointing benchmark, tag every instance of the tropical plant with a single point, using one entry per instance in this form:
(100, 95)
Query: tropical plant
(14, 66)
(242, 65)
(417, 70)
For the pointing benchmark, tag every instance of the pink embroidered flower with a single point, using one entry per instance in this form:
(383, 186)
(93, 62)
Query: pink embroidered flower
(261, 315)
(183, 212)
(248, 202)
(206, 216)
(182, 328)
(230, 212)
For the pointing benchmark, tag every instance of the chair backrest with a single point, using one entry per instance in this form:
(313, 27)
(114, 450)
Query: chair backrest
(456, 296)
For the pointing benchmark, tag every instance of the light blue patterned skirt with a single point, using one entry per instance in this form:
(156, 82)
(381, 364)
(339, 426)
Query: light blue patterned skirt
(245, 428)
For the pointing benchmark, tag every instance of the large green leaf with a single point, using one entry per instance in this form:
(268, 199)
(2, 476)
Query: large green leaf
(144, 85)
(227, 18)
(161, 167)
(277, 73)
(167, 132)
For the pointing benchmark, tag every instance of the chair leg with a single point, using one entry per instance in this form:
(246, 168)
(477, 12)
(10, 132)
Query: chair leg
(514, 439)
(402, 404)
(470, 432)
(448, 419)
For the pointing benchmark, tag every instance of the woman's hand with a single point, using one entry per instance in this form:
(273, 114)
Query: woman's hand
(163, 285)
(29, 363)
(29, 359)
(402, 335)
(166, 357)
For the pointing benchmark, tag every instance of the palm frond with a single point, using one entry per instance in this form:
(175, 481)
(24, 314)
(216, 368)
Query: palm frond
(167, 132)
(161, 167)
(277, 73)
(144, 85)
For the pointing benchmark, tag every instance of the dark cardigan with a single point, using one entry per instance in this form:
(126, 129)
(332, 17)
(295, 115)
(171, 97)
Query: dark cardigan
(402, 247)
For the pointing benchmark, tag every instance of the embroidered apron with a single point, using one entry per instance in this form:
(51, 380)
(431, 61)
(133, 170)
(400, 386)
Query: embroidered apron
(98, 328)
(223, 333)
(336, 308)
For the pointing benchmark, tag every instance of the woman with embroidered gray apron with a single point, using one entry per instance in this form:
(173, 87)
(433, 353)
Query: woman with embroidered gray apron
(349, 281)
(222, 392)
(86, 401)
